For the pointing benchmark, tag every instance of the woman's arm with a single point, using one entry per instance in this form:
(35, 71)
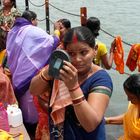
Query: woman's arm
(40, 83)
(108, 60)
(89, 112)
(114, 119)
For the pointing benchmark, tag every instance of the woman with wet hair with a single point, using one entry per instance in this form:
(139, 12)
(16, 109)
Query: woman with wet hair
(102, 58)
(31, 16)
(80, 97)
(131, 118)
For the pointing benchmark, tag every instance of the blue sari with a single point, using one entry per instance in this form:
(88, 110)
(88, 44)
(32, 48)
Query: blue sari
(72, 130)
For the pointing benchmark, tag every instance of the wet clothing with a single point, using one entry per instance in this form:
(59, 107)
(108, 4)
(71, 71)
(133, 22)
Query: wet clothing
(71, 128)
(28, 50)
(131, 124)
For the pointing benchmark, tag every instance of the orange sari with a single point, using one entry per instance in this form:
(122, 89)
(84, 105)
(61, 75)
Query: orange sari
(131, 124)
(119, 55)
(133, 59)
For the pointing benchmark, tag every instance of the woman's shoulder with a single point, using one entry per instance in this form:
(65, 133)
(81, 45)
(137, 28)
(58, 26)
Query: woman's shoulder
(100, 44)
(98, 79)
(101, 78)
(15, 12)
(101, 73)
(13, 9)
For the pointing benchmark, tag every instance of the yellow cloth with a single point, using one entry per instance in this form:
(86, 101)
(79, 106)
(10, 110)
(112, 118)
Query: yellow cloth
(4, 135)
(131, 124)
(2, 53)
(102, 50)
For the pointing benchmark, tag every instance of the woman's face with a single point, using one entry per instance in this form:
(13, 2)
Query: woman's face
(81, 55)
(35, 22)
(63, 30)
(7, 3)
(132, 98)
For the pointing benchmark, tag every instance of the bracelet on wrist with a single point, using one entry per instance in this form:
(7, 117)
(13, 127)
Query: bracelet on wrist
(78, 100)
(43, 77)
(107, 121)
(75, 88)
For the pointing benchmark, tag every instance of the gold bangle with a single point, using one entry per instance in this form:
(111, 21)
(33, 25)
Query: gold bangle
(78, 98)
(57, 33)
(107, 121)
(43, 77)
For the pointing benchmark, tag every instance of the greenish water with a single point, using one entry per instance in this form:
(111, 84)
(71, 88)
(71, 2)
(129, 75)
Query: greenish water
(119, 17)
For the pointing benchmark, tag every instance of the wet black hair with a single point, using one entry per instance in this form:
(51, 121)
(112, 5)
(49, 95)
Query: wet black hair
(93, 23)
(132, 84)
(66, 23)
(29, 15)
(79, 34)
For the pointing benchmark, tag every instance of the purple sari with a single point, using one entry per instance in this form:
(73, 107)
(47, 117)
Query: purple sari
(28, 48)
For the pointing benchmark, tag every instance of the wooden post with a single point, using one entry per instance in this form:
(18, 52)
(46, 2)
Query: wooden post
(83, 15)
(15, 5)
(27, 5)
(47, 16)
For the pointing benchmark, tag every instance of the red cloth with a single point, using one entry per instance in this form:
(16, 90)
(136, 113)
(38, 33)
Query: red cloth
(42, 130)
(119, 55)
(133, 59)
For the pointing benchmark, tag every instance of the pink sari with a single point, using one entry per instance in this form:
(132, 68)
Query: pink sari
(7, 95)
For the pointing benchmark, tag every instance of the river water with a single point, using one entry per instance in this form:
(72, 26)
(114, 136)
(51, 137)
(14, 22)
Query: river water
(118, 17)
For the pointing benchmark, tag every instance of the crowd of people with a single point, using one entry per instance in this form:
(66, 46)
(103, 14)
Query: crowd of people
(57, 108)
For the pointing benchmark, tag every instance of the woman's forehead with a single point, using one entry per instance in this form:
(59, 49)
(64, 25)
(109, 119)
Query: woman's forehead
(77, 46)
